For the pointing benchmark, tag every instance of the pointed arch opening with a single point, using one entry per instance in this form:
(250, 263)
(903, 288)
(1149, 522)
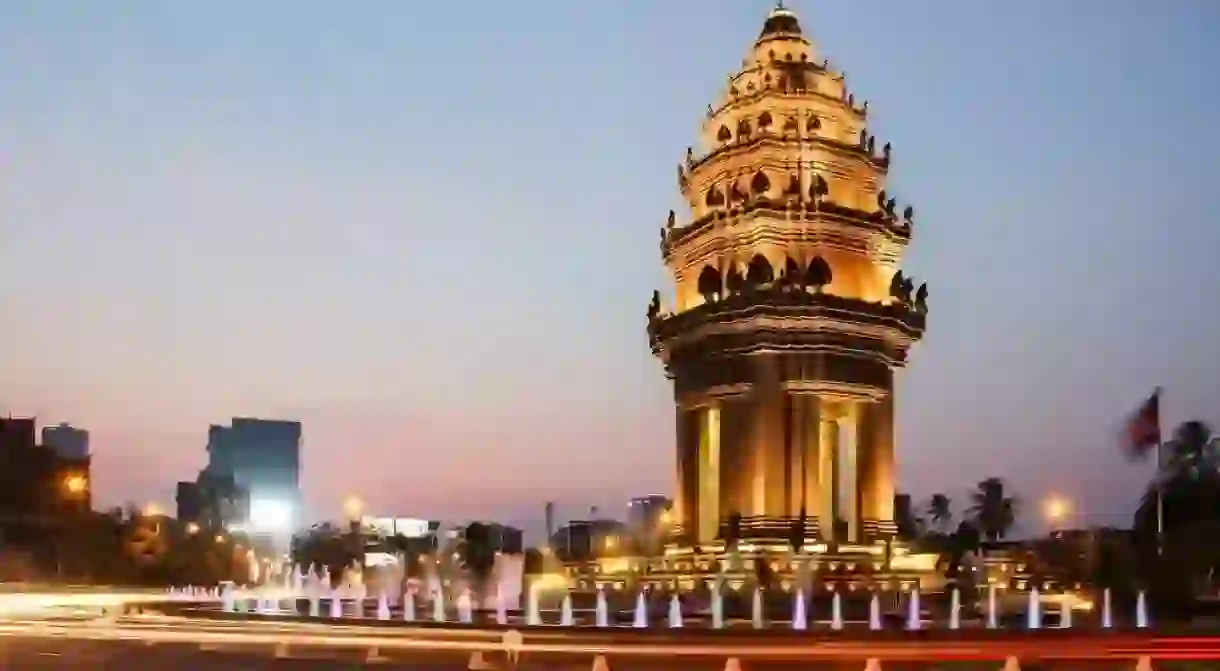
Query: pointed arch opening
(764, 119)
(724, 134)
(733, 281)
(714, 197)
(709, 284)
(792, 271)
(759, 272)
(818, 274)
(759, 184)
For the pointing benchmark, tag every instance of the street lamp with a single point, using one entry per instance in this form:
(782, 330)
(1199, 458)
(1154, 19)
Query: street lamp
(192, 528)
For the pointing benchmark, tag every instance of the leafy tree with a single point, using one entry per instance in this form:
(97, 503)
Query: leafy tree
(910, 524)
(323, 545)
(993, 513)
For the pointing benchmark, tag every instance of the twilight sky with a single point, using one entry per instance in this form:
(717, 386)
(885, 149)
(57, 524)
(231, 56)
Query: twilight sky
(428, 231)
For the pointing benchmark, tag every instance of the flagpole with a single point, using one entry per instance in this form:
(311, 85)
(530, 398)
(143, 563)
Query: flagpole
(1160, 489)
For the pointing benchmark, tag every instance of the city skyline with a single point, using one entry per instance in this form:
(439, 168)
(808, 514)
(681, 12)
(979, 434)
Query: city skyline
(292, 216)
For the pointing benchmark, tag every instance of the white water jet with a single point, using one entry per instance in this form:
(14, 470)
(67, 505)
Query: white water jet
(874, 613)
(336, 605)
(315, 608)
(533, 613)
(1107, 619)
(913, 611)
(641, 612)
(1065, 614)
(501, 609)
(438, 605)
(836, 611)
(1034, 611)
(675, 612)
(1141, 611)
(603, 611)
(992, 615)
(465, 606)
(800, 619)
(408, 605)
(955, 609)
(565, 611)
(758, 609)
(717, 608)
(383, 606)
(228, 601)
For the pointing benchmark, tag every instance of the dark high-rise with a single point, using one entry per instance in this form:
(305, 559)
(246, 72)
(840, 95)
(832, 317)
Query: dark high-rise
(263, 458)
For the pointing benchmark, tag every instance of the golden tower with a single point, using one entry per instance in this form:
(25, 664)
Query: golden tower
(790, 313)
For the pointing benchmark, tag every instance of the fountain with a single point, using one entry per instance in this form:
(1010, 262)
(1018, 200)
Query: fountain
(955, 609)
(800, 621)
(315, 608)
(501, 609)
(1065, 615)
(675, 612)
(603, 614)
(336, 605)
(1141, 611)
(641, 612)
(1107, 621)
(758, 609)
(874, 613)
(991, 608)
(717, 607)
(913, 614)
(836, 612)
(565, 611)
(383, 606)
(1034, 611)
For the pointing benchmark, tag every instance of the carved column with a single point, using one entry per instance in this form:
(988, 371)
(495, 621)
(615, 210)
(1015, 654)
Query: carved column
(848, 471)
(766, 441)
(811, 430)
(686, 506)
(828, 469)
(876, 426)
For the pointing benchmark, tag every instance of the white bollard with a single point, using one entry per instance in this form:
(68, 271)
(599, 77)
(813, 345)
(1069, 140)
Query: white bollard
(1107, 619)
(874, 613)
(955, 609)
(1034, 611)
(836, 612)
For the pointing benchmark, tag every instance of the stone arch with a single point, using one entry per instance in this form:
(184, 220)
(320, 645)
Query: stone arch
(759, 272)
(791, 125)
(764, 120)
(709, 284)
(724, 134)
(818, 273)
(792, 271)
(714, 197)
(733, 281)
(759, 184)
(812, 123)
(743, 129)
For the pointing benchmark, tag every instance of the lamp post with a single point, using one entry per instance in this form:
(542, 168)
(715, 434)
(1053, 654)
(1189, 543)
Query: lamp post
(1056, 509)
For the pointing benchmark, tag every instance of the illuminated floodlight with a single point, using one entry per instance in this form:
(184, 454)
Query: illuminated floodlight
(270, 515)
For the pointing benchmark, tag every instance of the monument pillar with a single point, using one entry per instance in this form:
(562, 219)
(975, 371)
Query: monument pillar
(876, 427)
(848, 472)
(828, 470)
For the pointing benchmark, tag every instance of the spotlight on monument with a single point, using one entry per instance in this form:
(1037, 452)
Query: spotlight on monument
(270, 515)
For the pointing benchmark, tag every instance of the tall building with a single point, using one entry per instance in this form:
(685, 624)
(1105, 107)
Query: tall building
(69, 441)
(263, 457)
(790, 314)
(645, 514)
(38, 486)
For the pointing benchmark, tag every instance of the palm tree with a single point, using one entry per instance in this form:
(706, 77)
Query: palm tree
(994, 514)
(940, 511)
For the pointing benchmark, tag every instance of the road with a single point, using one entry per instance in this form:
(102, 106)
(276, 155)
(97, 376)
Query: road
(158, 642)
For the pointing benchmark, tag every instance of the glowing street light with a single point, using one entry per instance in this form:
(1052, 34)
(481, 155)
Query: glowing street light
(192, 528)
(152, 510)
